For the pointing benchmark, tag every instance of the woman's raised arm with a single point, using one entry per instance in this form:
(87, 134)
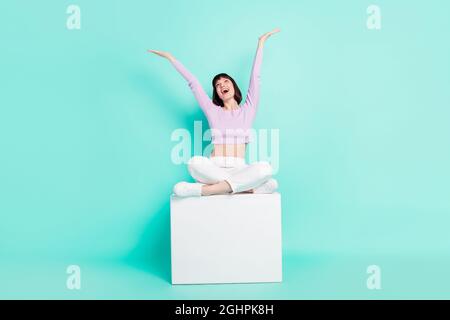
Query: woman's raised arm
(252, 98)
(200, 95)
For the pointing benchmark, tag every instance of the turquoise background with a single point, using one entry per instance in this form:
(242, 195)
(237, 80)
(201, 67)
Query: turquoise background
(86, 118)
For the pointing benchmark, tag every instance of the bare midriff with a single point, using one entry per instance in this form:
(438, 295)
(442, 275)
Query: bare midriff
(229, 150)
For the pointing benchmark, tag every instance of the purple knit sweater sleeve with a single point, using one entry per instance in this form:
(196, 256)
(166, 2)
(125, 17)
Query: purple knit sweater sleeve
(202, 98)
(252, 99)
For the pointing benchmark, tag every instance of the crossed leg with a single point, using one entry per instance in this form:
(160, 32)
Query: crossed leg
(203, 170)
(218, 180)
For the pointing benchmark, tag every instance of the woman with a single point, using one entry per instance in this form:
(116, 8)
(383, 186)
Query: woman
(226, 171)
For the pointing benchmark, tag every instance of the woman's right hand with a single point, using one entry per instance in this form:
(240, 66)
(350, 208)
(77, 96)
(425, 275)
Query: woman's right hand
(163, 54)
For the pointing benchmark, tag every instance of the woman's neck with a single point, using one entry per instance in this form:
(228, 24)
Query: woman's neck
(230, 105)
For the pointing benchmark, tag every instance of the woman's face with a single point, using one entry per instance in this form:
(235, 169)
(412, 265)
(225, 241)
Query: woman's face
(224, 88)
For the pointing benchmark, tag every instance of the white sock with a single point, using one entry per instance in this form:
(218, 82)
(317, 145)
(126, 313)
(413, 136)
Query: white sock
(186, 189)
(267, 187)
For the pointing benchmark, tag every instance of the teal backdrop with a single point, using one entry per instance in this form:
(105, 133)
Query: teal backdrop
(87, 115)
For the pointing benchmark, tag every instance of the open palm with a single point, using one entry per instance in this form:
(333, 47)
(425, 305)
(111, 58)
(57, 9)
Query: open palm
(163, 54)
(266, 35)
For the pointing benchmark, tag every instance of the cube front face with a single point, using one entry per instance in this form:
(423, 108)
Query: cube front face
(226, 239)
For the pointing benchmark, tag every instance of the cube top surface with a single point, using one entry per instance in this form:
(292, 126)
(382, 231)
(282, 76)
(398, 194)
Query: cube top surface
(228, 196)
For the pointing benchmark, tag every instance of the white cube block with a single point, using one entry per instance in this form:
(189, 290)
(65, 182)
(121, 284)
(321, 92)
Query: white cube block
(226, 238)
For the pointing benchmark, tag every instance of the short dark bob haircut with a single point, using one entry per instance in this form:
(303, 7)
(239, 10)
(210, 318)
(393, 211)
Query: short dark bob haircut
(237, 93)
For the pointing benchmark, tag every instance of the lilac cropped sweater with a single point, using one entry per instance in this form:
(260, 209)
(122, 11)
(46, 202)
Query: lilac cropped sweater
(228, 127)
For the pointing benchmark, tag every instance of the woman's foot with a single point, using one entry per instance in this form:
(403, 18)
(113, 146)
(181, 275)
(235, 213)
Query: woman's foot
(267, 187)
(222, 187)
(186, 189)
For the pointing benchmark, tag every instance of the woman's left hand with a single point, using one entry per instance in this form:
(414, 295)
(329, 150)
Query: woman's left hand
(266, 35)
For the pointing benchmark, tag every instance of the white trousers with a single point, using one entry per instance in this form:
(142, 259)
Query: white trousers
(239, 175)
